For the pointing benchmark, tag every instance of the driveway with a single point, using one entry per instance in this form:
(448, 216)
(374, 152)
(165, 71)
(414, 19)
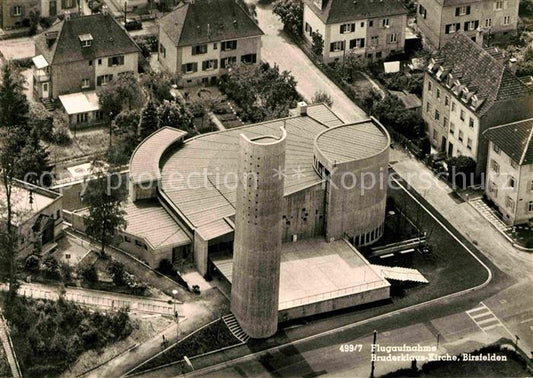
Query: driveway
(280, 49)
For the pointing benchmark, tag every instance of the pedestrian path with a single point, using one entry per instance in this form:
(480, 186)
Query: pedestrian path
(484, 318)
(96, 298)
(8, 348)
(489, 214)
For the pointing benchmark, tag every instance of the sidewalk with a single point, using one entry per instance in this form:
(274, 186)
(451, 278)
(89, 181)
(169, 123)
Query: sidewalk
(461, 215)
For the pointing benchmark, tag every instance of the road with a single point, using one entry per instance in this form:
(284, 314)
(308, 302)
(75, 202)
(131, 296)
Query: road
(278, 48)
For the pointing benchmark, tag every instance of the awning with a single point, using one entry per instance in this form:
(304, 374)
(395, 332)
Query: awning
(39, 62)
(81, 102)
(400, 274)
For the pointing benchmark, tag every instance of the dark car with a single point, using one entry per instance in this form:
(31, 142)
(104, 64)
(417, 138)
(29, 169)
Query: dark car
(133, 24)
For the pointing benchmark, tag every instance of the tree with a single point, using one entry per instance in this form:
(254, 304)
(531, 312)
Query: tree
(104, 197)
(291, 13)
(126, 134)
(158, 85)
(461, 170)
(174, 115)
(318, 44)
(322, 97)
(124, 91)
(149, 120)
(13, 103)
(42, 121)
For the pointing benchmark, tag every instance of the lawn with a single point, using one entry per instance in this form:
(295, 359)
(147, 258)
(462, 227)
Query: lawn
(522, 235)
(85, 144)
(209, 338)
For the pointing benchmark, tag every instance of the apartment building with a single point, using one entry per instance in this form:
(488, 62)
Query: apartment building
(78, 55)
(491, 21)
(509, 180)
(369, 29)
(467, 90)
(53, 8)
(200, 39)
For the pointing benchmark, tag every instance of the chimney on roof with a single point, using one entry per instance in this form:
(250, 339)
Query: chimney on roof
(301, 108)
(67, 15)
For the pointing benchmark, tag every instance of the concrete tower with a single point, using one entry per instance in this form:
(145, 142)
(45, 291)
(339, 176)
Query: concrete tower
(258, 231)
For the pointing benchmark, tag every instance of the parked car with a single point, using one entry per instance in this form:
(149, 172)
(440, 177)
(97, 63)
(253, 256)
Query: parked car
(133, 24)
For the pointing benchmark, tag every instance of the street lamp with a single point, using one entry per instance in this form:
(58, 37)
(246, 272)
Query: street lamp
(373, 349)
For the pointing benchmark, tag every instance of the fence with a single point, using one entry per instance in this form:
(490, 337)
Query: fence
(96, 298)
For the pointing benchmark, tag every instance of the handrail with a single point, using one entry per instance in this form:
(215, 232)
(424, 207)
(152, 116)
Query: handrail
(11, 345)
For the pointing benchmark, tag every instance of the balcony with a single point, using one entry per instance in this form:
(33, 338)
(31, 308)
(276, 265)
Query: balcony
(41, 75)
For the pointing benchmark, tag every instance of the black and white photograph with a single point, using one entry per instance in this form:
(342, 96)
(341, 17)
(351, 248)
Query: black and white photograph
(266, 188)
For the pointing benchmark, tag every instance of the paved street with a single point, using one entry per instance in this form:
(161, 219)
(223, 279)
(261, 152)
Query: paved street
(278, 48)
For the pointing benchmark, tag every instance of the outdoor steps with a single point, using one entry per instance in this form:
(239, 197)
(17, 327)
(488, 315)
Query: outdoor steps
(7, 349)
(489, 214)
(48, 104)
(235, 328)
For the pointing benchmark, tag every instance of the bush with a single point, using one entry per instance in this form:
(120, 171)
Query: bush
(32, 264)
(90, 274)
(322, 97)
(50, 268)
(62, 137)
(116, 269)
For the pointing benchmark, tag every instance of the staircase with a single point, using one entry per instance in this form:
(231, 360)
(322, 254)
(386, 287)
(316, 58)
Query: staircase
(235, 328)
(8, 349)
(48, 104)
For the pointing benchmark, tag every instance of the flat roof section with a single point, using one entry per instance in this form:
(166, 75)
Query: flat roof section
(144, 162)
(315, 271)
(352, 142)
(80, 102)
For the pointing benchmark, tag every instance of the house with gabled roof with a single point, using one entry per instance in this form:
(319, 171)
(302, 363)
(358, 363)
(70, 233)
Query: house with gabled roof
(200, 39)
(509, 179)
(467, 90)
(76, 56)
(368, 29)
(485, 21)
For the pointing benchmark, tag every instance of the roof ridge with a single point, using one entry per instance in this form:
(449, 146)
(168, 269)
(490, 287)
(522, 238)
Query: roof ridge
(56, 42)
(526, 146)
(185, 5)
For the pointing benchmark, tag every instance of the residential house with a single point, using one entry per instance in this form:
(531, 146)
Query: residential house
(370, 29)
(200, 39)
(509, 180)
(78, 55)
(489, 20)
(37, 216)
(467, 90)
(16, 13)
(53, 8)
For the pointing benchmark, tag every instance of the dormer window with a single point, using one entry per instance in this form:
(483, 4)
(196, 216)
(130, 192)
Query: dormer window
(86, 40)
(439, 73)
(431, 64)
